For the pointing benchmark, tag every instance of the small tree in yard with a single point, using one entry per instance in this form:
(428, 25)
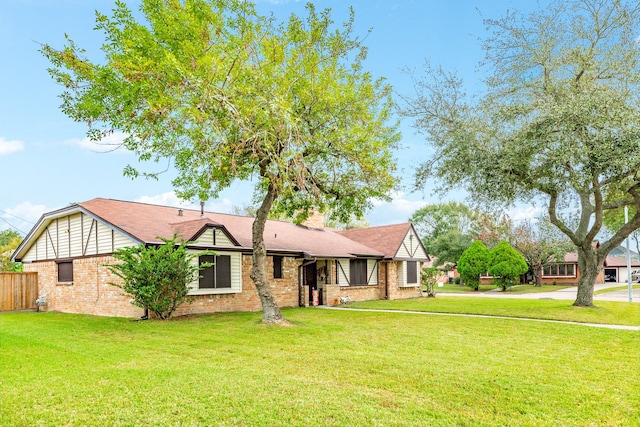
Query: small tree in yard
(429, 278)
(473, 262)
(156, 277)
(506, 265)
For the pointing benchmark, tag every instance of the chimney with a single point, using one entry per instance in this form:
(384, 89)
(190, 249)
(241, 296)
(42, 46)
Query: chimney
(315, 220)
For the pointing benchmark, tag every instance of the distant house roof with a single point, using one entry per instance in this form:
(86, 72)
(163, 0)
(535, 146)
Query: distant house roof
(614, 261)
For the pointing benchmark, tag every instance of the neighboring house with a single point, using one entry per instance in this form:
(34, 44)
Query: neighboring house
(615, 269)
(70, 247)
(567, 272)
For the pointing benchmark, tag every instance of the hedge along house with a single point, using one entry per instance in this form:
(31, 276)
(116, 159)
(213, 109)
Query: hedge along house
(70, 248)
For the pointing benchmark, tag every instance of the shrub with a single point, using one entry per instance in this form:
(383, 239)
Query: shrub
(506, 265)
(156, 277)
(429, 277)
(473, 263)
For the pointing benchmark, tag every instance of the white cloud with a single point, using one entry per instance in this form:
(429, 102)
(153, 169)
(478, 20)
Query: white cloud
(166, 199)
(8, 147)
(22, 217)
(398, 210)
(525, 213)
(111, 142)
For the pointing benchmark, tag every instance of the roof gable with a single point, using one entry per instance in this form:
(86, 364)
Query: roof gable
(397, 241)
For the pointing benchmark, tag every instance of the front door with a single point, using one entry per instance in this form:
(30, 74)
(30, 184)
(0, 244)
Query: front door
(310, 280)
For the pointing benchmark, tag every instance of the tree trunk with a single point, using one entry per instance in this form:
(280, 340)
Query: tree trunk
(589, 269)
(270, 311)
(537, 275)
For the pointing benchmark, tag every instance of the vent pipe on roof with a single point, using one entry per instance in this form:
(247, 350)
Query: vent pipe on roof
(180, 211)
(201, 209)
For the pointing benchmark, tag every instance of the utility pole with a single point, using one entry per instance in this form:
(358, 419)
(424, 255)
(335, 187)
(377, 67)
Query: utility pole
(626, 219)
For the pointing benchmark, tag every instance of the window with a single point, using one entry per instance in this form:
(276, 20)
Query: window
(277, 267)
(412, 272)
(217, 276)
(559, 270)
(357, 272)
(65, 271)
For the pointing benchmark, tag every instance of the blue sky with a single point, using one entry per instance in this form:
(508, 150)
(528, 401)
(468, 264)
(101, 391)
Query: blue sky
(47, 162)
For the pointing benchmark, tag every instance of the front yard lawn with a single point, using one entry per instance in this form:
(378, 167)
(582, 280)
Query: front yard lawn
(604, 312)
(330, 368)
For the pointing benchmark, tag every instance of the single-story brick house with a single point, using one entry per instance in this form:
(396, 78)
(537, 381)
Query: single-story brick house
(70, 247)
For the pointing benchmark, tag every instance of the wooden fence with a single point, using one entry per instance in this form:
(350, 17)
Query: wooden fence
(18, 291)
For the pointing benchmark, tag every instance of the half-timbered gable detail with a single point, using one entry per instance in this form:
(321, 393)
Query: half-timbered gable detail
(71, 236)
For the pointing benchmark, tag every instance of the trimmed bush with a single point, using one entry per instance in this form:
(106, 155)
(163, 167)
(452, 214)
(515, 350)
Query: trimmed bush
(472, 263)
(506, 265)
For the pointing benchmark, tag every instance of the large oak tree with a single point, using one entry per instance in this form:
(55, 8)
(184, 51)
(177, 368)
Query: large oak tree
(557, 120)
(227, 94)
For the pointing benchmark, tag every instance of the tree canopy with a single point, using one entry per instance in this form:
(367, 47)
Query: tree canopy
(227, 94)
(447, 229)
(9, 241)
(557, 120)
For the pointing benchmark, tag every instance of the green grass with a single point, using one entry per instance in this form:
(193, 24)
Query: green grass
(452, 287)
(616, 288)
(519, 289)
(331, 368)
(604, 312)
(530, 289)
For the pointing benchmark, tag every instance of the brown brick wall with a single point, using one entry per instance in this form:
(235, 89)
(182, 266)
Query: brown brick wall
(285, 291)
(387, 272)
(395, 291)
(91, 292)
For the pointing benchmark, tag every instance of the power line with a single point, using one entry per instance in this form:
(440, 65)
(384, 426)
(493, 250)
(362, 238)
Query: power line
(13, 226)
(15, 216)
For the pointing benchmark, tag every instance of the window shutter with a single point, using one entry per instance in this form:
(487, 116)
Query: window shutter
(206, 279)
(412, 272)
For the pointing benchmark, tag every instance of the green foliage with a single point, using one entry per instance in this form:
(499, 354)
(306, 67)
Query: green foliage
(9, 241)
(473, 262)
(447, 229)
(506, 265)
(429, 278)
(156, 277)
(227, 94)
(558, 121)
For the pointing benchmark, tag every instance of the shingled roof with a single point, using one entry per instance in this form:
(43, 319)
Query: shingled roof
(145, 222)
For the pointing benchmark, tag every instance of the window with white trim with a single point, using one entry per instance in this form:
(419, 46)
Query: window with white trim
(559, 270)
(217, 275)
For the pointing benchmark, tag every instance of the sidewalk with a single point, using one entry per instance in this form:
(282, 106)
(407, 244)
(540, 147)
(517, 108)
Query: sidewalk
(562, 294)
